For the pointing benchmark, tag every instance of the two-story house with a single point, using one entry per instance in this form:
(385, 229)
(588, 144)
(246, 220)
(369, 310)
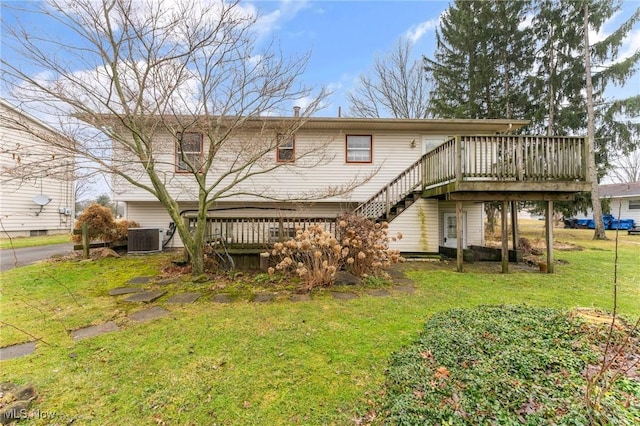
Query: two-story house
(36, 180)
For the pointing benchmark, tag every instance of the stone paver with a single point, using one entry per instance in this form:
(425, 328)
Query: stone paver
(343, 296)
(378, 292)
(149, 314)
(300, 297)
(124, 290)
(146, 296)
(184, 298)
(167, 281)
(139, 280)
(264, 297)
(16, 351)
(94, 330)
(409, 289)
(223, 298)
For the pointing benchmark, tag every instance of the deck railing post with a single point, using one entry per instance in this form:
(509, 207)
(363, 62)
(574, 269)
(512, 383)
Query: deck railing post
(519, 159)
(458, 159)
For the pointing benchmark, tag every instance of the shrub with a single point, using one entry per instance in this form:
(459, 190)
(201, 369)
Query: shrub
(315, 254)
(102, 226)
(367, 244)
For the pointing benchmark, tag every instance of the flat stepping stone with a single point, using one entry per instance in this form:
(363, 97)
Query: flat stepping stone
(94, 330)
(184, 298)
(167, 281)
(146, 296)
(223, 298)
(124, 290)
(343, 296)
(408, 289)
(264, 297)
(300, 297)
(379, 292)
(139, 280)
(16, 351)
(149, 314)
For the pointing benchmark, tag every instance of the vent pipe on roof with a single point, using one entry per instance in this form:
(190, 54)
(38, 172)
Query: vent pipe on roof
(296, 111)
(339, 111)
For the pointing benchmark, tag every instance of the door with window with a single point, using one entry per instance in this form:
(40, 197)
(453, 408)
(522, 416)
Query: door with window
(451, 230)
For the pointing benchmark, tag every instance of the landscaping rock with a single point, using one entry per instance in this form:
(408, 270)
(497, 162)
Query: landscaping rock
(346, 278)
(94, 330)
(15, 351)
(184, 298)
(25, 393)
(145, 296)
(107, 252)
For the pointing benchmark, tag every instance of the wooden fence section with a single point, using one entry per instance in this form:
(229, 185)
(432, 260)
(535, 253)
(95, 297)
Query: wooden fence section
(258, 233)
(507, 158)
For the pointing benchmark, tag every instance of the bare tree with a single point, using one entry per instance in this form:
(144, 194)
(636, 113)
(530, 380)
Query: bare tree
(626, 167)
(146, 76)
(396, 86)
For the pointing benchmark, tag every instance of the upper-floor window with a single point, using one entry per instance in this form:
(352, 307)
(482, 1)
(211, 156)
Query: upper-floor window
(634, 204)
(189, 148)
(359, 148)
(286, 149)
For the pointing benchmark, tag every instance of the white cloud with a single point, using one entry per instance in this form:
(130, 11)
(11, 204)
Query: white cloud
(416, 32)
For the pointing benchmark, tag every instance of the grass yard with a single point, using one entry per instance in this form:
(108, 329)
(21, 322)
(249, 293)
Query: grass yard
(21, 242)
(319, 361)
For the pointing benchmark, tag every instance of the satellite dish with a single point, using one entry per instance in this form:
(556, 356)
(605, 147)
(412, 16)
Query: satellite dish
(42, 200)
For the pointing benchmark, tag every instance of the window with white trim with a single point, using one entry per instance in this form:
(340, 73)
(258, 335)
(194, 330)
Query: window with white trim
(634, 204)
(359, 148)
(286, 149)
(189, 148)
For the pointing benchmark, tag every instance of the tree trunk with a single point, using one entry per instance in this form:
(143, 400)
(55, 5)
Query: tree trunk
(599, 233)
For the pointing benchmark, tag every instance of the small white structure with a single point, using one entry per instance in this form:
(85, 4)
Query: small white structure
(36, 181)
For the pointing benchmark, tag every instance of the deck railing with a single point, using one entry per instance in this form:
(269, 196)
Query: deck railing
(395, 191)
(507, 158)
(258, 233)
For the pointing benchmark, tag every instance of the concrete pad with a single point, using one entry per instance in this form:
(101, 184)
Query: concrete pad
(94, 330)
(300, 297)
(139, 280)
(378, 292)
(343, 296)
(146, 296)
(264, 297)
(223, 298)
(149, 314)
(16, 351)
(124, 290)
(183, 298)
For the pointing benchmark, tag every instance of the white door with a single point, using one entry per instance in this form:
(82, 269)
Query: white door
(451, 230)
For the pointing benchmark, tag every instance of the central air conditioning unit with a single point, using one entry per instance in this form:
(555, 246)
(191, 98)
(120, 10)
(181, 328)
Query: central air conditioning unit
(144, 240)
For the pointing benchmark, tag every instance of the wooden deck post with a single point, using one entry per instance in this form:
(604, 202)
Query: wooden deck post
(505, 237)
(459, 236)
(514, 228)
(548, 218)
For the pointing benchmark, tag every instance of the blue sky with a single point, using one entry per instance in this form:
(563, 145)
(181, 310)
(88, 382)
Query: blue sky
(344, 37)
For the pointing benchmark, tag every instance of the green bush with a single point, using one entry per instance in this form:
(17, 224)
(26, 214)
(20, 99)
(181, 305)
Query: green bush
(497, 365)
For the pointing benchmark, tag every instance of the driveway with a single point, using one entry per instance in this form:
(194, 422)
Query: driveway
(23, 256)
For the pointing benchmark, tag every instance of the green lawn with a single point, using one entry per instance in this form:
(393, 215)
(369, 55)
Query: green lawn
(281, 362)
(20, 242)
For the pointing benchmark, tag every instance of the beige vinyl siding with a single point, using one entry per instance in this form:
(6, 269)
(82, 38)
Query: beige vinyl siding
(392, 153)
(474, 221)
(30, 168)
(419, 227)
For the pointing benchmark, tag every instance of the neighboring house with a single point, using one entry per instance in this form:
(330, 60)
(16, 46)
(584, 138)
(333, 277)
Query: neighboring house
(624, 200)
(425, 172)
(36, 181)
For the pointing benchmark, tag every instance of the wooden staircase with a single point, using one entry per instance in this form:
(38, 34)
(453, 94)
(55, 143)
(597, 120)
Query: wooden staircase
(397, 195)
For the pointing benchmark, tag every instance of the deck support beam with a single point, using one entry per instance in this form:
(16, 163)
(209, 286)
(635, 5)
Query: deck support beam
(514, 228)
(505, 237)
(459, 236)
(548, 227)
